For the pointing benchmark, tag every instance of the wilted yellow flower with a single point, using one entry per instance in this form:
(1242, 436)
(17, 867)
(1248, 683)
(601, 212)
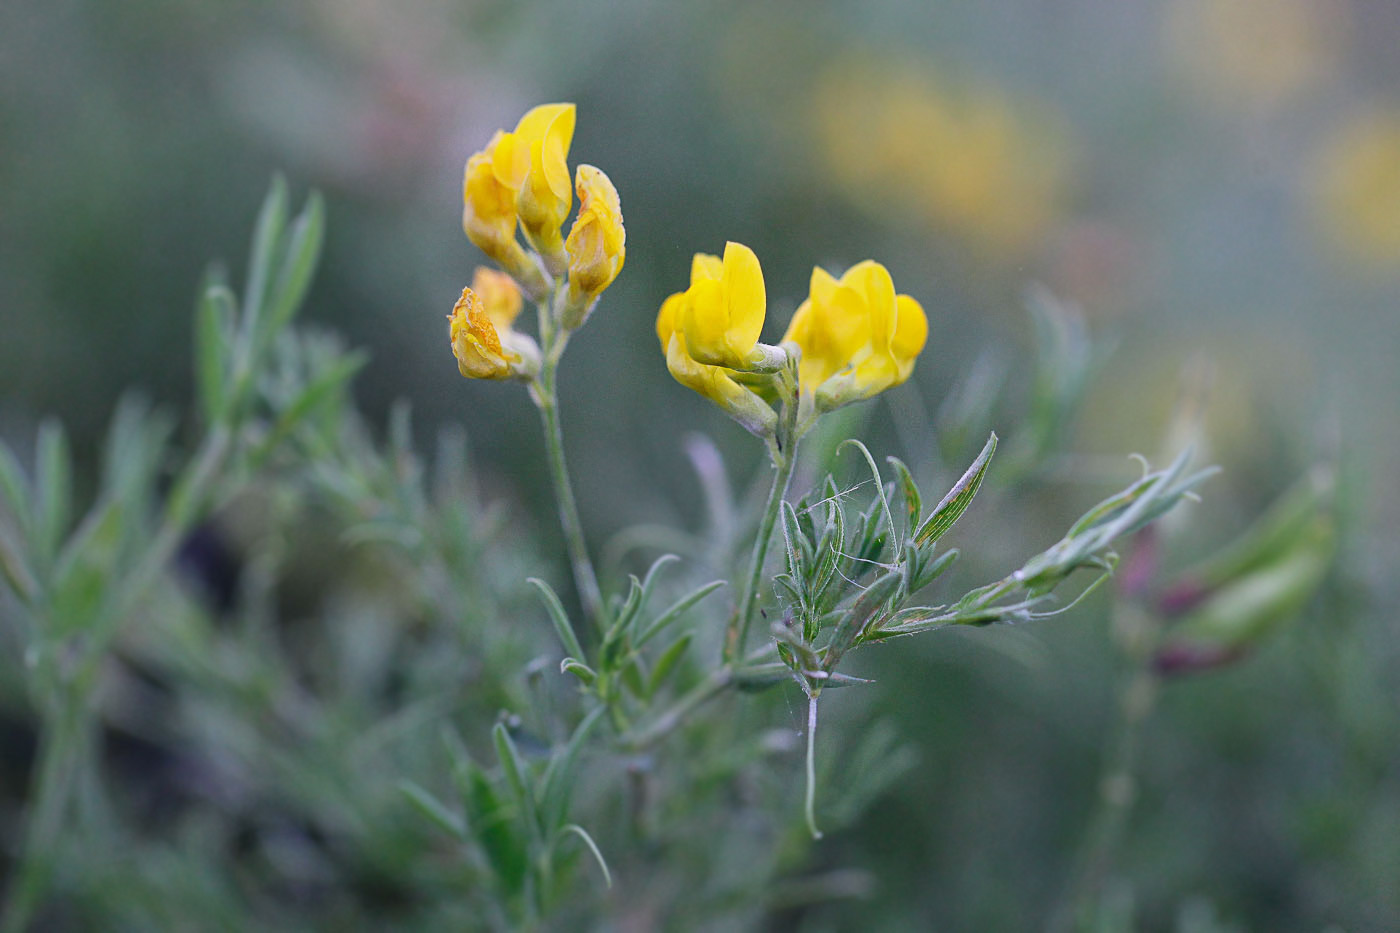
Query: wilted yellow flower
(597, 243)
(520, 175)
(500, 296)
(714, 382)
(485, 344)
(858, 338)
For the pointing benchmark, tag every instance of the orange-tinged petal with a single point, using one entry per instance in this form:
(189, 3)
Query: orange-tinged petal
(475, 342)
(499, 295)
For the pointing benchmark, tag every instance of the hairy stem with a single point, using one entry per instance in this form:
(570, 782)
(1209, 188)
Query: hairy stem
(546, 399)
(738, 633)
(810, 804)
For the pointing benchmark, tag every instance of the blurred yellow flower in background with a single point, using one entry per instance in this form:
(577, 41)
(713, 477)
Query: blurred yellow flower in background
(858, 338)
(1254, 53)
(968, 157)
(1357, 189)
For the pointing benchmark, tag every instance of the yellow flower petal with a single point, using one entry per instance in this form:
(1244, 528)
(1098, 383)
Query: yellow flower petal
(724, 316)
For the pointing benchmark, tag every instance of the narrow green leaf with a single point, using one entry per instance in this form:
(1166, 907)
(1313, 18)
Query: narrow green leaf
(433, 809)
(558, 783)
(950, 509)
(677, 609)
(580, 670)
(879, 483)
(214, 325)
(933, 570)
(559, 617)
(54, 487)
(581, 833)
(516, 772)
(793, 540)
(497, 834)
(666, 663)
(913, 502)
(862, 612)
(316, 394)
(653, 573)
(299, 265)
(14, 569)
(625, 614)
(15, 488)
(267, 246)
(634, 675)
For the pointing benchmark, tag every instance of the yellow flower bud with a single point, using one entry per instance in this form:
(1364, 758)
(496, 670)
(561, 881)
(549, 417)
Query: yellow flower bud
(597, 243)
(545, 194)
(714, 382)
(483, 341)
(858, 338)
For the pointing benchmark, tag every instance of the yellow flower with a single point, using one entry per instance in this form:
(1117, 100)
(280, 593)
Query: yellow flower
(1357, 190)
(483, 340)
(488, 203)
(723, 316)
(858, 338)
(597, 243)
(545, 195)
(714, 382)
(520, 175)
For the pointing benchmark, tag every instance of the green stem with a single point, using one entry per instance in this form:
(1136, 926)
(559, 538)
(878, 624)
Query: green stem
(1117, 785)
(56, 770)
(810, 805)
(738, 633)
(63, 730)
(719, 680)
(545, 395)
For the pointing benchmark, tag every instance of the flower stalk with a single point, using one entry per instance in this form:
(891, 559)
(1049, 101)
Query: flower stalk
(544, 393)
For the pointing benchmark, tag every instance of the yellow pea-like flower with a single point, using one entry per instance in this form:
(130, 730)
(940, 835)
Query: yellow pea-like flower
(858, 338)
(723, 317)
(597, 243)
(714, 382)
(545, 193)
(483, 340)
(521, 176)
(488, 203)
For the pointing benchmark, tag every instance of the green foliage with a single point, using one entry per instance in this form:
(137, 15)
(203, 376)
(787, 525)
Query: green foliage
(390, 729)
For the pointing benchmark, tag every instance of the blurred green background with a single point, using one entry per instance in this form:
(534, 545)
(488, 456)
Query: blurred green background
(1207, 178)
